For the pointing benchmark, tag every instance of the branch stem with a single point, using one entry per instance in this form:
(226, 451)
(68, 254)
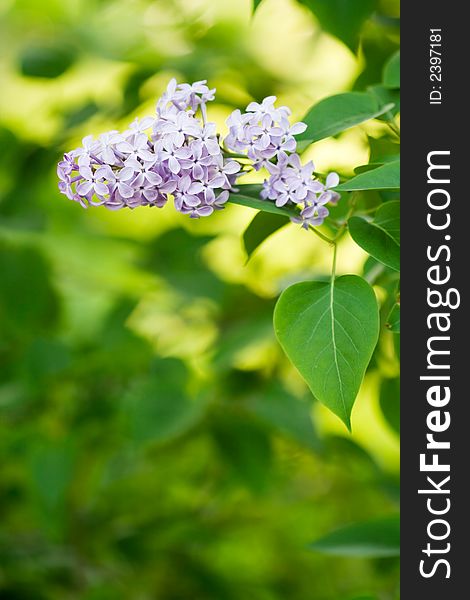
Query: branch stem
(322, 236)
(333, 267)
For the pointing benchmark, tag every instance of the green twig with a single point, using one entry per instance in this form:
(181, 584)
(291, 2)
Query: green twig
(339, 234)
(352, 206)
(323, 237)
(333, 267)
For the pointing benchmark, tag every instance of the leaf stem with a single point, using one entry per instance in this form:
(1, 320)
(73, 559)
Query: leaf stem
(339, 234)
(333, 267)
(322, 236)
(331, 242)
(352, 206)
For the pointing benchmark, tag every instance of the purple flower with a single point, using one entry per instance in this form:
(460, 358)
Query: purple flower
(176, 131)
(199, 160)
(141, 125)
(311, 216)
(292, 183)
(143, 192)
(171, 155)
(147, 169)
(196, 94)
(208, 137)
(332, 180)
(177, 152)
(92, 181)
(184, 96)
(263, 132)
(136, 146)
(85, 154)
(119, 180)
(186, 194)
(107, 143)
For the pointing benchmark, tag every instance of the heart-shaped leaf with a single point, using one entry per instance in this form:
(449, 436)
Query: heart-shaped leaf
(375, 539)
(329, 331)
(381, 237)
(261, 227)
(386, 177)
(337, 113)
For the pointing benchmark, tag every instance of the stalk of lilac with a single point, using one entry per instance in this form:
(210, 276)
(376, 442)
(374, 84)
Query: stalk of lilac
(176, 153)
(265, 136)
(155, 158)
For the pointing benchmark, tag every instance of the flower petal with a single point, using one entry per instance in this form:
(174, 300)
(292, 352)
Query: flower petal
(84, 188)
(297, 128)
(174, 165)
(332, 180)
(204, 211)
(125, 190)
(101, 188)
(125, 174)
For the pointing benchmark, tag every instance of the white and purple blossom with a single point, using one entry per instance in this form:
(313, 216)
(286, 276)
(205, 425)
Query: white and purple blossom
(263, 132)
(87, 152)
(177, 153)
(291, 183)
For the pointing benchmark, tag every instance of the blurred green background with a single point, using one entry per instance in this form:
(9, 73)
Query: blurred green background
(155, 442)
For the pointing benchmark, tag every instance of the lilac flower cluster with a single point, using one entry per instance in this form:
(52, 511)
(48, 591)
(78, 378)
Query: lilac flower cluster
(292, 183)
(265, 135)
(263, 132)
(176, 152)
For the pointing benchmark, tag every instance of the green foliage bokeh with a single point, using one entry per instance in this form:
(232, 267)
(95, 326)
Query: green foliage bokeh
(155, 442)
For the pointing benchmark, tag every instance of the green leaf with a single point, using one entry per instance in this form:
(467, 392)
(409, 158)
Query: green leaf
(390, 402)
(256, 3)
(342, 18)
(329, 331)
(386, 96)
(245, 446)
(177, 256)
(52, 471)
(288, 414)
(393, 319)
(369, 167)
(385, 177)
(381, 237)
(373, 539)
(47, 62)
(391, 76)
(249, 196)
(158, 408)
(337, 113)
(261, 227)
(378, 162)
(383, 149)
(26, 276)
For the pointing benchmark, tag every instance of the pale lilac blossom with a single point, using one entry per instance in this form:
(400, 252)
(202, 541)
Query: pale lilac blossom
(177, 153)
(263, 132)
